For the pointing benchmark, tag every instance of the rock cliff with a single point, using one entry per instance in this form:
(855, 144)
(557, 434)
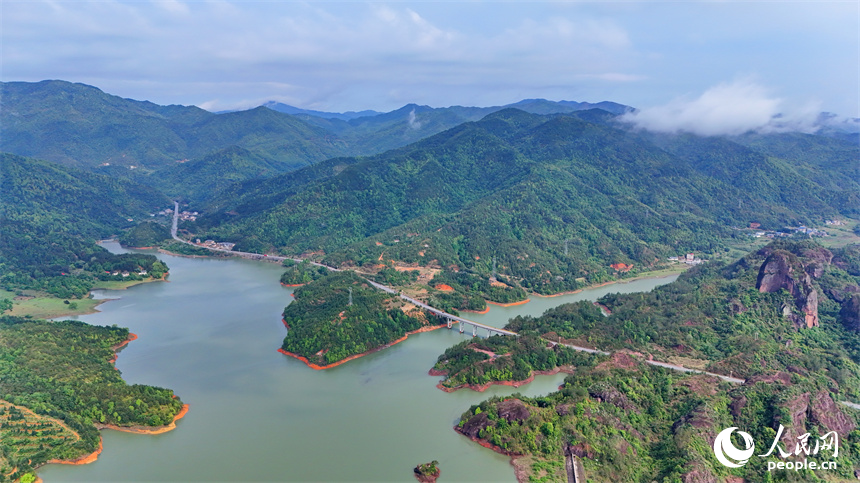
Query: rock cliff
(784, 270)
(850, 313)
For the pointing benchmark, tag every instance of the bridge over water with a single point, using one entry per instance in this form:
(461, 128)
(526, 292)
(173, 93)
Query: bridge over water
(450, 318)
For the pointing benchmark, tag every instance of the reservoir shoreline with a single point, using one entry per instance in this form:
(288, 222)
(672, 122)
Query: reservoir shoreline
(226, 331)
(92, 457)
(318, 367)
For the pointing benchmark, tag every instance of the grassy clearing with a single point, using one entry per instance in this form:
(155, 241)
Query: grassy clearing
(46, 307)
(840, 235)
(120, 284)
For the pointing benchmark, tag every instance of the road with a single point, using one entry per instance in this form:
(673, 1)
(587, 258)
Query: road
(257, 256)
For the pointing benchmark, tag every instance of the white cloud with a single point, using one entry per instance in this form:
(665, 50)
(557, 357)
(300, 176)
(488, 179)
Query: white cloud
(335, 56)
(728, 108)
(173, 6)
(413, 122)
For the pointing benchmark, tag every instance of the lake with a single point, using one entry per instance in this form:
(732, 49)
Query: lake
(212, 332)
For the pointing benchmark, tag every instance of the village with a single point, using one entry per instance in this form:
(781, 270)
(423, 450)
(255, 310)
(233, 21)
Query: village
(790, 231)
(214, 244)
(183, 215)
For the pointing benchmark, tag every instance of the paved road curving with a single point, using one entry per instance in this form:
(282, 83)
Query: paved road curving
(257, 256)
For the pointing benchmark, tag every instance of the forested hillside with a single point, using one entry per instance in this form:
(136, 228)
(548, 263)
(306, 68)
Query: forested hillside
(340, 315)
(783, 318)
(622, 420)
(53, 215)
(57, 384)
(79, 125)
(786, 305)
(553, 198)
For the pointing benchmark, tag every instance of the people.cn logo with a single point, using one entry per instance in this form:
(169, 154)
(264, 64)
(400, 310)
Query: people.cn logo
(728, 454)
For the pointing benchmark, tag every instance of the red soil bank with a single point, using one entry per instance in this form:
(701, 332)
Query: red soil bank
(477, 312)
(317, 367)
(154, 430)
(83, 460)
(521, 302)
(484, 387)
(122, 344)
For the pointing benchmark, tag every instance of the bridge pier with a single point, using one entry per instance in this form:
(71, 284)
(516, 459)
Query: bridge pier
(449, 322)
(462, 327)
(474, 330)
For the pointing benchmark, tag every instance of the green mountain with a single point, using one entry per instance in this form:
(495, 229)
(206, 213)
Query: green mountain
(202, 178)
(781, 318)
(623, 420)
(79, 125)
(789, 304)
(553, 198)
(51, 217)
(369, 134)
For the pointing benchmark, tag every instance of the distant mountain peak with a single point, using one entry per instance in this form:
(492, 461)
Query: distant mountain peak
(292, 110)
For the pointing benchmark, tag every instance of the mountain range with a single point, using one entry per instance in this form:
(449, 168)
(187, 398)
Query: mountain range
(79, 125)
(553, 198)
(556, 196)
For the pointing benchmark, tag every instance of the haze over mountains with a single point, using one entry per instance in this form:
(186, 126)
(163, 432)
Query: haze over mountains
(80, 125)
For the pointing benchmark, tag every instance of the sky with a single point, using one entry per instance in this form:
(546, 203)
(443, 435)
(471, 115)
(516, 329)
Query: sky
(735, 64)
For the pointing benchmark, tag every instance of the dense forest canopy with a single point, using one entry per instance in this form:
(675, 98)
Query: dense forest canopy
(782, 318)
(64, 372)
(553, 198)
(625, 421)
(324, 327)
(724, 317)
(52, 216)
(494, 203)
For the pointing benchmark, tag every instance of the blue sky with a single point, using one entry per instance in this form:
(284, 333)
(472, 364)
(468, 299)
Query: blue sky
(668, 58)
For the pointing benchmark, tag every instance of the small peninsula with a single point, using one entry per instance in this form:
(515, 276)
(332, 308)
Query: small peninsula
(58, 387)
(341, 316)
(512, 361)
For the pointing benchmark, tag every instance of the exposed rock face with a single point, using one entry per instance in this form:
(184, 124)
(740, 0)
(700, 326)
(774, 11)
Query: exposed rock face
(606, 393)
(700, 474)
(563, 409)
(780, 377)
(850, 313)
(775, 273)
(583, 450)
(820, 256)
(797, 408)
(819, 409)
(778, 272)
(513, 410)
(474, 425)
(737, 405)
(829, 415)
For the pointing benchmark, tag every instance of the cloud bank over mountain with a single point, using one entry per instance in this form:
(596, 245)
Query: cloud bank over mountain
(727, 109)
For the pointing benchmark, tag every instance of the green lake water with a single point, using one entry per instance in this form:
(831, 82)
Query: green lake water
(212, 332)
